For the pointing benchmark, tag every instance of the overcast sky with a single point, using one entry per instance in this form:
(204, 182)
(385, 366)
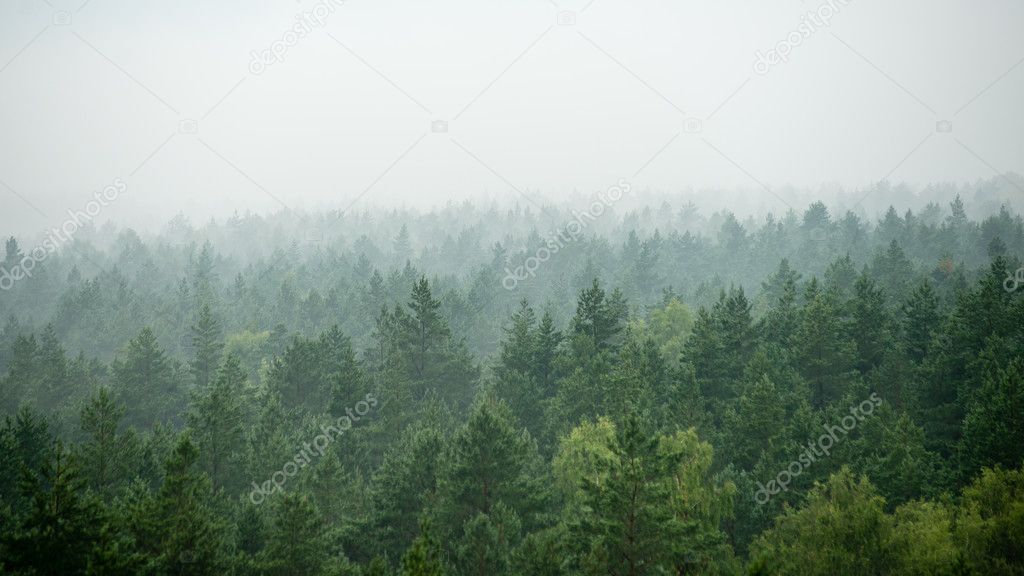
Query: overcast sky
(541, 97)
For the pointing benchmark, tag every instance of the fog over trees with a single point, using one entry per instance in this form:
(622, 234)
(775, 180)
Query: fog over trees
(534, 390)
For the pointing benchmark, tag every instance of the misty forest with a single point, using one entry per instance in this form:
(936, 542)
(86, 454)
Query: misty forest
(475, 390)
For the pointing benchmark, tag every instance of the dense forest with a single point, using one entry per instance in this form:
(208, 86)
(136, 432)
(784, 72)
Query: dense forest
(478, 391)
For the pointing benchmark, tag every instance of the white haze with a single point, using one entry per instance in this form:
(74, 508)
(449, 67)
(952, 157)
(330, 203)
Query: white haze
(536, 111)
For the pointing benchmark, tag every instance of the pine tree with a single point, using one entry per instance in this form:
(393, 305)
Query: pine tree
(628, 528)
(920, 320)
(190, 535)
(778, 283)
(61, 527)
(516, 380)
(894, 272)
(599, 316)
(426, 330)
(296, 544)
(405, 485)
(825, 357)
(485, 548)
(994, 423)
(22, 373)
(348, 381)
(145, 381)
(547, 339)
(217, 420)
(402, 245)
(518, 348)
(488, 462)
(751, 428)
(869, 327)
(25, 443)
(54, 382)
(106, 455)
(206, 346)
(424, 556)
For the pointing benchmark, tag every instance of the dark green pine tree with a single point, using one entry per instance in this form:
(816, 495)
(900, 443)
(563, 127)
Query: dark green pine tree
(145, 381)
(25, 442)
(206, 348)
(485, 548)
(780, 282)
(780, 324)
(62, 525)
(431, 359)
(547, 339)
(217, 421)
(751, 428)
(404, 486)
(825, 356)
(296, 544)
(517, 349)
(107, 455)
(599, 316)
(189, 533)
(721, 345)
(894, 272)
(54, 382)
(516, 381)
(627, 527)
(841, 275)
(981, 325)
(299, 375)
(348, 381)
(22, 373)
(737, 330)
(424, 556)
(869, 324)
(490, 461)
(920, 319)
(425, 331)
(993, 428)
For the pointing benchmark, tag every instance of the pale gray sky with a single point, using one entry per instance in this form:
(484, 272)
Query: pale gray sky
(542, 97)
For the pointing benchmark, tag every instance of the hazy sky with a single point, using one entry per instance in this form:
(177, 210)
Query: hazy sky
(541, 97)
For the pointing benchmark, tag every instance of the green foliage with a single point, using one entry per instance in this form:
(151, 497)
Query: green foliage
(843, 529)
(424, 556)
(556, 428)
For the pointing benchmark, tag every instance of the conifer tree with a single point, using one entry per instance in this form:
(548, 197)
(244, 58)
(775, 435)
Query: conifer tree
(61, 527)
(217, 420)
(106, 454)
(424, 556)
(206, 346)
(145, 381)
